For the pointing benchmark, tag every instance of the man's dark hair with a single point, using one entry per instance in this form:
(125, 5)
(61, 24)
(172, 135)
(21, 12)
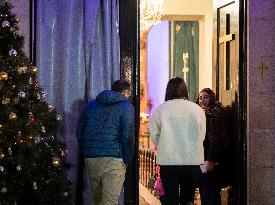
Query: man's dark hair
(176, 89)
(120, 86)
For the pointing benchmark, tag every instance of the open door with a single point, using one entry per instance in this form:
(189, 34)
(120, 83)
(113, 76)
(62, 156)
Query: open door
(228, 70)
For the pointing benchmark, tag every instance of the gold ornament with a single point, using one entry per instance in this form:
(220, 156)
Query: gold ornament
(2, 155)
(3, 76)
(43, 129)
(30, 136)
(34, 70)
(1, 126)
(4, 190)
(21, 70)
(56, 161)
(18, 168)
(12, 116)
(6, 100)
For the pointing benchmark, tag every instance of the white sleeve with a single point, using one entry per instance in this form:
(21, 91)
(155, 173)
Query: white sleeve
(154, 129)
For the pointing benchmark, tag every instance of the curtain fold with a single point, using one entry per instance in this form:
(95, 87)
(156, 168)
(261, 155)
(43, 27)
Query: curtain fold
(186, 40)
(77, 54)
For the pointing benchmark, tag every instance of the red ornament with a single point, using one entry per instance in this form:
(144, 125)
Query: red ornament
(31, 118)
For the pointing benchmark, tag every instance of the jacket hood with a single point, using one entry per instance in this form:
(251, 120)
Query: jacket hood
(110, 97)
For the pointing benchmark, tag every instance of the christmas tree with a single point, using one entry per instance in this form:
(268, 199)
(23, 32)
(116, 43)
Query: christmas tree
(32, 159)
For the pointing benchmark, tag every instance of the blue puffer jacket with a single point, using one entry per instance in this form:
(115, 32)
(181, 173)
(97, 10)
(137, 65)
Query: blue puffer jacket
(106, 127)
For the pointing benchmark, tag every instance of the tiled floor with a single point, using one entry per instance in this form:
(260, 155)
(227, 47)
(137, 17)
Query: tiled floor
(142, 201)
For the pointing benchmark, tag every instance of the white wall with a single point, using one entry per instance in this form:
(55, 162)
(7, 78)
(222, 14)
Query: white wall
(158, 62)
(204, 8)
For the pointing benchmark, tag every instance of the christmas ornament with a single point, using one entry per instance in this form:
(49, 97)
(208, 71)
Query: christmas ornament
(2, 155)
(56, 161)
(43, 94)
(37, 139)
(21, 70)
(2, 169)
(6, 100)
(38, 96)
(34, 185)
(30, 136)
(50, 107)
(22, 94)
(3, 76)
(13, 52)
(30, 80)
(34, 70)
(4, 190)
(58, 117)
(1, 126)
(5, 24)
(12, 116)
(18, 168)
(66, 194)
(31, 118)
(9, 151)
(43, 129)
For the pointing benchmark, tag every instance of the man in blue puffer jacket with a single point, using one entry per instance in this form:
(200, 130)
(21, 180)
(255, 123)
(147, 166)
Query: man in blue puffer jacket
(105, 133)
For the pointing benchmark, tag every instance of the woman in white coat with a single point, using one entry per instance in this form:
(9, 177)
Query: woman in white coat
(177, 128)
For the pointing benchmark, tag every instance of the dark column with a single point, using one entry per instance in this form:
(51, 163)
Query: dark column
(129, 57)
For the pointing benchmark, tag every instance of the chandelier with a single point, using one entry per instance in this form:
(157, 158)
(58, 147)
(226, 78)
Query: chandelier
(150, 13)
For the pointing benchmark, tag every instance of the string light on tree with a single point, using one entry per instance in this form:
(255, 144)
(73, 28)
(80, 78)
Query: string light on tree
(30, 159)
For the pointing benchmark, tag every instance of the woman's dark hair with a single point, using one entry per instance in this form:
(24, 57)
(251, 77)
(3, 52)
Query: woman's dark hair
(212, 97)
(120, 86)
(176, 89)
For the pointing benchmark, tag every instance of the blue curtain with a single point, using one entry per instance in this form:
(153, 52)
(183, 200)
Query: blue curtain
(77, 54)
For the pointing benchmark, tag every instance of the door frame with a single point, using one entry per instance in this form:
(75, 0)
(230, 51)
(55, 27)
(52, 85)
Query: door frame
(130, 70)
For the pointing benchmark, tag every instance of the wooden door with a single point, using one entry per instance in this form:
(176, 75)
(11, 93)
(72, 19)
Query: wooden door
(228, 81)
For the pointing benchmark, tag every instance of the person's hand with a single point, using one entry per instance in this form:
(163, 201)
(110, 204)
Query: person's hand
(210, 165)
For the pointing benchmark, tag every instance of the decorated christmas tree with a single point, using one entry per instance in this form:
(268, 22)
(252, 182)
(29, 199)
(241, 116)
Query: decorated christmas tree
(32, 159)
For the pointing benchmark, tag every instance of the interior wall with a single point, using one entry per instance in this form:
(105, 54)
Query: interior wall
(158, 63)
(197, 8)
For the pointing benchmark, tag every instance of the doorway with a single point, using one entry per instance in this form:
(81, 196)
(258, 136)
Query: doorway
(209, 72)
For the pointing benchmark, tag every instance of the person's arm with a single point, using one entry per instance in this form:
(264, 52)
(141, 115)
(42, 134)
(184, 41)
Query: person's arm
(128, 133)
(154, 129)
(217, 135)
